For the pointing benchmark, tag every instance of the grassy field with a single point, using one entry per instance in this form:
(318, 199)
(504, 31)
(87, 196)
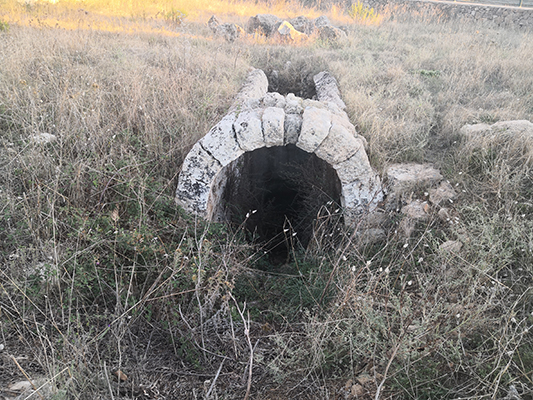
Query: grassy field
(101, 272)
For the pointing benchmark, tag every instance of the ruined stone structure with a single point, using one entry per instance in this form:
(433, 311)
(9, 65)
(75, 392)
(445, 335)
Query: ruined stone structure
(264, 133)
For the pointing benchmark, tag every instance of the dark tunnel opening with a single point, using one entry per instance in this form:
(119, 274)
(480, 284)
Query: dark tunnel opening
(277, 193)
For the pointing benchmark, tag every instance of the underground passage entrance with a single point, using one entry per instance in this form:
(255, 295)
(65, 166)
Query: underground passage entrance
(276, 193)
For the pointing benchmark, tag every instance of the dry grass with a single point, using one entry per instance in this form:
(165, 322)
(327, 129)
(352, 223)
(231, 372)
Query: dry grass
(100, 271)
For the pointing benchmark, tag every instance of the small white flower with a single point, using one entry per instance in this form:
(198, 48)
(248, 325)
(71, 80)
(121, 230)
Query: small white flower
(387, 270)
(294, 234)
(247, 215)
(254, 211)
(513, 320)
(458, 316)
(353, 268)
(344, 258)
(405, 245)
(420, 260)
(409, 283)
(286, 230)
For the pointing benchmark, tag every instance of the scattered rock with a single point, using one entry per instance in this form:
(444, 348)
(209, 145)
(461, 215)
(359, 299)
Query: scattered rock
(357, 391)
(121, 376)
(363, 379)
(417, 210)
(514, 127)
(414, 212)
(321, 21)
(43, 138)
(444, 214)
(371, 235)
(451, 246)
(403, 178)
(230, 32)
(303, 24)
(213, 23)
(331, 34)
(286, 33)
(21, 386)
(444, 193)
(265, 24)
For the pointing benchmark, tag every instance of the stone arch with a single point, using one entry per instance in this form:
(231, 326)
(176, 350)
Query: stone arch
(261, 119)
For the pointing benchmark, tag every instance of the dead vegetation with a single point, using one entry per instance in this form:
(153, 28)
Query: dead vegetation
(101, 272)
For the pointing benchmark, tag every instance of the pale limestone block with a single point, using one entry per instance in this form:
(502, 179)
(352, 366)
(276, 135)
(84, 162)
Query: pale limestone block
(221, 141)
(274, 126)
(197, 173)
(405, 177)
(354, 168)
(274, 100)
(293, 104)
(315, 128)
(339, 145)
(293, 127)
(249, 131)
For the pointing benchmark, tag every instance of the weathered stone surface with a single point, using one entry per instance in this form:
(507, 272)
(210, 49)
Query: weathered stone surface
(274, 100)
(414, 212)
(360, 196)
(249, 131)
(355, 167)
(230, 32)
(293, 127)
(221, 141)
(287, 34)
(293, 104)
(451, 246)
(514, 127)
(321, 21)
(263, 23)
(343, 121)
(198, 171)
(405, 177)
(331, 34)
(274, 126)
(444, 193)
(327, 89)
(417, 210)
(213, 23)
(253, 90)
(315, 127)
(339, 145)
(42, 138)
(303, 24)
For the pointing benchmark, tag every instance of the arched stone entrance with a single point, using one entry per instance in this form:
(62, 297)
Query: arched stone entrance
(260, 120)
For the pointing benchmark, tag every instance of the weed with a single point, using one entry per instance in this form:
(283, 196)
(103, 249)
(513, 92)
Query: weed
(363, 14)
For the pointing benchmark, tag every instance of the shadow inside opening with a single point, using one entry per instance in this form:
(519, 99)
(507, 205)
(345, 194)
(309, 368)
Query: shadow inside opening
(276, 194)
